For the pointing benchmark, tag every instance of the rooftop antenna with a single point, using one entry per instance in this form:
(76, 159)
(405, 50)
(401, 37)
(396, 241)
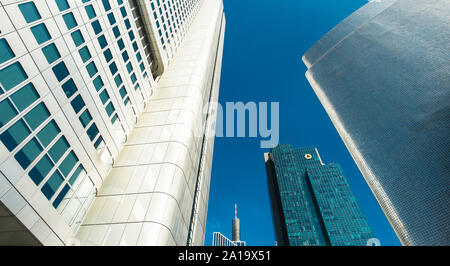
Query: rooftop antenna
(236, 226)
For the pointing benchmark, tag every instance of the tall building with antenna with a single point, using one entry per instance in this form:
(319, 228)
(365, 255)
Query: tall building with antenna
(221, 240)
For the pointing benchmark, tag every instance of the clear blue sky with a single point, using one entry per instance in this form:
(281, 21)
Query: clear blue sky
(264, 43)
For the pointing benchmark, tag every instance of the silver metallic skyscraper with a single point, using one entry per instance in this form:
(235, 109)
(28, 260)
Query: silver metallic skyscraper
(107, 129)
(383, 76)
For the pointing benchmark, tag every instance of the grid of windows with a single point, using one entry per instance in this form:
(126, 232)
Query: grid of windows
(173, 18)
(29, 130)
(33, 137)
(61, 72)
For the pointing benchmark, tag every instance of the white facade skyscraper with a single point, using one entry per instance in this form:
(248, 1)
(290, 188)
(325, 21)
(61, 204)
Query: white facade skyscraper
(106, 127)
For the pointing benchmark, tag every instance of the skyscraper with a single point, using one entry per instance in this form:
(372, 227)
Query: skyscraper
(221, 240)
(106, 131)
(312, 203)
(382, 75)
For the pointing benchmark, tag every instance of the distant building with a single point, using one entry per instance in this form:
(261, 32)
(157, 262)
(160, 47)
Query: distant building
(383, 77)
(312, 204)
(221, 240)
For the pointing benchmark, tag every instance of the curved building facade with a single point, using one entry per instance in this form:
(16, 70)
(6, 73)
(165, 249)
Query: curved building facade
(382, 75)
(109, 131)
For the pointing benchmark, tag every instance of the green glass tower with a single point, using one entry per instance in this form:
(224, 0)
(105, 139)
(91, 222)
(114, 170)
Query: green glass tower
(312, 203)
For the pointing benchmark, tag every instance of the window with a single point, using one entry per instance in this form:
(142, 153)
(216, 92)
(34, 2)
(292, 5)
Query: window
(70, 21)
(102, 41)
(68, 163)
(138, 56)
(40, 33)
(118, 80)
(90, 11)
(85, 54)
(51, 53)
(123, 11)
(131, 35)
(109, 109)
(48, 133)
(106, 5)
(69, 88)
(52, 185)
(60, 71)
(120, 44)
(77, 173)
(12, 75)
(60, 147)
(98, 83)
(91, 69)
(29, 12)
(142, 66)
(61, 196)
(77, 38)
(15, 135)
(123, 92)
(113, 68)
(111, 18)
(62, 4)
(129, 67)
(116, 31)
(114, 118)
(5, 51)
(85, 118)
(107, 54)
(133, 78)
(125, 56)
(98, 142)
(40, 171)
(28, 153)
(77, 104)
(127, 24)
(8, 112)
(36, 116)
(24, 97)
(104, 97)
(92, 132)
(96, 27)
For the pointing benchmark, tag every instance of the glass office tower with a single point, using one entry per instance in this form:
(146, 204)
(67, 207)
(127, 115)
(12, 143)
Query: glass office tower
(312, 204)
(382, 75)
(103, 135)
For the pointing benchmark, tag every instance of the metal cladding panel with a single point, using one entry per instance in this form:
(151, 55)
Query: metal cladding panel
(347, 26)
(386, 87)
(149, 196)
